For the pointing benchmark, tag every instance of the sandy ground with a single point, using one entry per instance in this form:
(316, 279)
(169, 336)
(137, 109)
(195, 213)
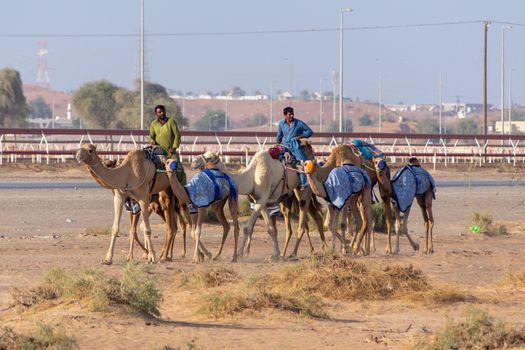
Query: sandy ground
(43, 229)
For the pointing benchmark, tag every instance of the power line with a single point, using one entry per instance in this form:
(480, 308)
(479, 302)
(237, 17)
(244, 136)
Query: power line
(256, 32)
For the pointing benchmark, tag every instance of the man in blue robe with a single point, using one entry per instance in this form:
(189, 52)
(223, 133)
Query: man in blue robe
(291, 131)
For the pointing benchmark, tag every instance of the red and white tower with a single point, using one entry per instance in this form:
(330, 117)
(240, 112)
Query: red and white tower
(42, 77)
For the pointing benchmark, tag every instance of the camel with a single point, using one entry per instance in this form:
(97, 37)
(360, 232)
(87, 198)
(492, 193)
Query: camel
(217, 206)
(361, 199)
(379, 173)
(423, 189)
(266, 180)
(155, 206)
(135, 177)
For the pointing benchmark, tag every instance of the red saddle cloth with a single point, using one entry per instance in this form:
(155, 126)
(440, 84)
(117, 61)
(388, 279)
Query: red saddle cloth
(276, 152)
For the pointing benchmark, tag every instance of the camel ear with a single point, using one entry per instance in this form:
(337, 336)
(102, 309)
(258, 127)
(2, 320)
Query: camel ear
(309, 167)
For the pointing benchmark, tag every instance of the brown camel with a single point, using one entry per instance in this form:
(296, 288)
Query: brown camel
(424, 200)
(155, 206)
(266, 180)
(197, 219)
(317, 176)
(135, 177)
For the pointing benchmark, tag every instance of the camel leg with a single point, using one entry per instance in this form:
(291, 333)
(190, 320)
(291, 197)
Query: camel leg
(397, 228)
(426, 210)
(344, 226)
(134, 221)
(388, 213)
(248, 228)
(197, 235)
(304, 198)
(118, 202)
(272, 231)
(218, 208)
(357, 223)
(170, 221)
(286, 209)
(404, 230)
(232, 203)
(318, 219)
(365, 196)
(147, 230)
(334, 218)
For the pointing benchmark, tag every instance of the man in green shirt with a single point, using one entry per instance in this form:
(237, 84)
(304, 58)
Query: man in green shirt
(164, 132)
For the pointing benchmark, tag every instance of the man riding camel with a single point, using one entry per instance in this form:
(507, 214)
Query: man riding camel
(291, 131)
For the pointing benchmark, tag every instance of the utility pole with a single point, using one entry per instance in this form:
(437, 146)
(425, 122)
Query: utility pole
(321, 104)
(380, 117)
(334, 82)
(142, 65)
(440, 102)
(485, 122)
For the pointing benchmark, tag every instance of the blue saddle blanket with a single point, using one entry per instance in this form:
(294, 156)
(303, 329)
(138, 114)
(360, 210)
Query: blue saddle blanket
(344, 181)
(368, 150)
(408, 182)
(209, 186)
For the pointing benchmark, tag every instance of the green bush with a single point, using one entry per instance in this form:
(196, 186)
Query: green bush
(45, 337)
(486, 225)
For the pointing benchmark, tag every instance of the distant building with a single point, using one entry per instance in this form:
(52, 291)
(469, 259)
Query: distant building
(285, 96)
(518, 126)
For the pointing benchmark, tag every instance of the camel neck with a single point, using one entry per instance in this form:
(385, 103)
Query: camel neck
(119, 178)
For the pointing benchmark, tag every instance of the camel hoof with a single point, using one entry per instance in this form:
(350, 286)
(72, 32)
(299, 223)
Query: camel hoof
(216, 257)
(144, 256)
(416, 247)
(293, 257)
(275, 257)
(106, 262)
(183, 255)
(234, 259)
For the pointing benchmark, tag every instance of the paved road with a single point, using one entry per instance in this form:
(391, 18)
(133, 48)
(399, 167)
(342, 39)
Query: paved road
(29, 185)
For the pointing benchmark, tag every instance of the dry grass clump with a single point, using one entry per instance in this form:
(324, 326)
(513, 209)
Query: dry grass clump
(514, 280)
(135, 288)
(97, 231)
(233, 301)
(45, 337)
(479, 330)
(487, 225)
(302, 288)
(341, 278)
(206, 276)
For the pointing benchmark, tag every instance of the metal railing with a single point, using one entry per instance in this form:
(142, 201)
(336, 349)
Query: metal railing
(36, 145)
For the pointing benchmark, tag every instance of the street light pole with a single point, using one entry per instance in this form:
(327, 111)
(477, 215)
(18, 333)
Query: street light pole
(440, 102)
(142, 65)
(503, 78)
(334, 82)
(510, 101)
(321, 104)
(341, 100)
(380, 117)
(271, 105)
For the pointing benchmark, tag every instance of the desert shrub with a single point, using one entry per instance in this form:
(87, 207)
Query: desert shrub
(479, 330)
(301, 288)
(379, 213)
(206, 276)
(220, 304)
(487, 225)
(515, 280)
(135, 288)
(244, 206)
(97, 231)
(45, 337)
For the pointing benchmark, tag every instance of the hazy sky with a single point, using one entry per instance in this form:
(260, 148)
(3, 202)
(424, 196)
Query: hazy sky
(410, 60)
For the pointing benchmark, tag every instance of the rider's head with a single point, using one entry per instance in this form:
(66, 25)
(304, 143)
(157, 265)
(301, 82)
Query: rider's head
(288, 114)
(160, 111)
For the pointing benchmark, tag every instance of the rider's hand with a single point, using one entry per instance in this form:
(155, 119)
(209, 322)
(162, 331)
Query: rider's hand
(171, 150)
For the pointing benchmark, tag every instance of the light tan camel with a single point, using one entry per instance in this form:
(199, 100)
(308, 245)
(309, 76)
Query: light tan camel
(135, 177)
(424, 201)
(362, 200)
(197, 219)
(266, 180)
(155, 206)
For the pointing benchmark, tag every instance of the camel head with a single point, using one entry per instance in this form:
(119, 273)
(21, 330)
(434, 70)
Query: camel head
(309, 166)
(380, 164)
(86, 154)
(206, 160)
(171, 165)
(306, 145)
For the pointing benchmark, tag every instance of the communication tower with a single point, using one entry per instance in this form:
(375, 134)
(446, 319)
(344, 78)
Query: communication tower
(42, 77)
